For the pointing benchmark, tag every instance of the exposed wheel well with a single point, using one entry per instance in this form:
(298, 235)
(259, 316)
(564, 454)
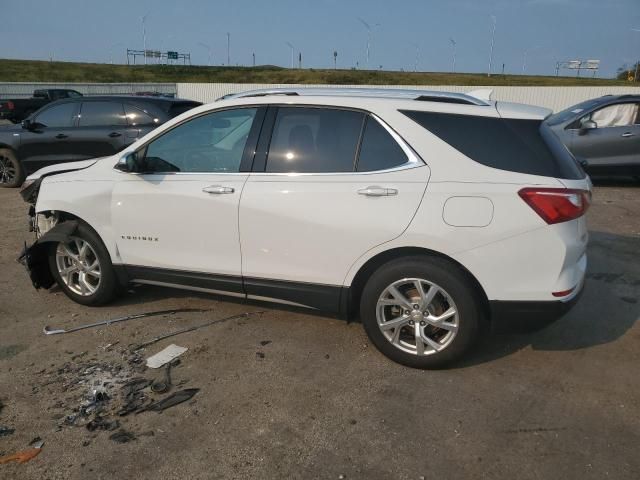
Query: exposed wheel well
(359, 281)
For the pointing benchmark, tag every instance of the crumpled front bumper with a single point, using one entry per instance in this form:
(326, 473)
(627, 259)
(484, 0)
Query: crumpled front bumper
(35, 258)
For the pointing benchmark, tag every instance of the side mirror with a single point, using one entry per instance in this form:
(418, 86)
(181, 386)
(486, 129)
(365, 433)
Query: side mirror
(129, 163)
(586, 125)
(27, 124)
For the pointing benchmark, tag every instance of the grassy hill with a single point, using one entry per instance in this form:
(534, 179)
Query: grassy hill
(42, 71)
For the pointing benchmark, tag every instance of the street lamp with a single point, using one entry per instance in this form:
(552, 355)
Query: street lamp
(453, 44)
(493, 36)
(635, 75)
(143, 19)
(208, 50)
(228, 49)
(290, 45)
(524, 56)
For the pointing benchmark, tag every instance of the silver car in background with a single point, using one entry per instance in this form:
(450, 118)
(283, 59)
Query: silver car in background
(603, 134)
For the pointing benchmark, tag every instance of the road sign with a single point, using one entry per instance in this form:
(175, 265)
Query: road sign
(172, 55)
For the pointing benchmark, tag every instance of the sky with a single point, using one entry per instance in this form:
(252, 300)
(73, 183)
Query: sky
(403, 32)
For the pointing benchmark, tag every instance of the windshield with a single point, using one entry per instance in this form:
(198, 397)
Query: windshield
(572, 112)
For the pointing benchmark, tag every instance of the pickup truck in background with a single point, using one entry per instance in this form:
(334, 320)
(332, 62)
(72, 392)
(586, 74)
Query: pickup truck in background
(16, 110)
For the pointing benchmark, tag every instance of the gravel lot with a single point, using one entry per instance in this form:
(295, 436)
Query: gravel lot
(318, 401)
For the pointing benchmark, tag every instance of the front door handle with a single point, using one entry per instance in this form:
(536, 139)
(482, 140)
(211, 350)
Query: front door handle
(627, 134)
(375, 191)
(218, 189)
(115, 134)
(61, 136)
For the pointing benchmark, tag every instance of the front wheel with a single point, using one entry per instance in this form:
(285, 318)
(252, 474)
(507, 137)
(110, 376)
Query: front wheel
(421, 311)
(11, 171)
(82, 268)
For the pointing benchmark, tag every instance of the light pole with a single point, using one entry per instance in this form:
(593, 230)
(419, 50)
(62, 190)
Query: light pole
(290, 45)
(369, 37)
(335, 59)
(493, 36)
(524, 57)
(254, 58)
(208, 51)
(143, 19)
(453, 44)
(635, 75)
(417, 60)
(228, 49)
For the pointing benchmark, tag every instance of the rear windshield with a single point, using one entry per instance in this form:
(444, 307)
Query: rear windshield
(177, 108)
(524, 146)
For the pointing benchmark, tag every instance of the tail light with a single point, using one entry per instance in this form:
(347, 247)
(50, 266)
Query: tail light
(557, 205)
(9, 105)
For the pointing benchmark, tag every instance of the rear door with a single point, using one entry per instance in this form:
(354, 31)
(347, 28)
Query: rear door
(327, 186)
(101, 129)
(616, 140)
(49, 142)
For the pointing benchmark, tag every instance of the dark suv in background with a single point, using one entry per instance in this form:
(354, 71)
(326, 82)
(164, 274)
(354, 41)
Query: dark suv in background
(603, 134)
(78, 129)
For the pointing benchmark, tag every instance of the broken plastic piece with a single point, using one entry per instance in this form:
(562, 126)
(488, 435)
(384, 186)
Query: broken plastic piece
(25, 455)
(122, 436)
(172, 400)
(165, 356)
(6, 431)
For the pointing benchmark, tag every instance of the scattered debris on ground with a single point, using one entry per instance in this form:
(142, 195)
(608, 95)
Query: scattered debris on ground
(25, 455)
(172, 400)
(165, 356)
(55, 331)
(6, 431)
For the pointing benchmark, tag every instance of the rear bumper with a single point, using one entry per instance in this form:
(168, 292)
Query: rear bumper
(531, 312)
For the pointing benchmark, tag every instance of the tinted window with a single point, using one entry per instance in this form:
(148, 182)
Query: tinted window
(210, 143)
(180, 107)
(524, 146)
(135, 116)
(572, 112)
(379, 150)
(99, 114)
(58, 115)
(314, 140)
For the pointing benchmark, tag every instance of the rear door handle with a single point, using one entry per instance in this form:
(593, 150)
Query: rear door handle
(61, 136)
(218, 189)
(375, 191)
(115, 134)
(627, 134)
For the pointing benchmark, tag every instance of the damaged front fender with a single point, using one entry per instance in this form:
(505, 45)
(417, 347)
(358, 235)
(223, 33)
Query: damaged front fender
(34, 258)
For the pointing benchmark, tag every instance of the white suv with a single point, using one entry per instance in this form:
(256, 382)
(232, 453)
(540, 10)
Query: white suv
(428, 214)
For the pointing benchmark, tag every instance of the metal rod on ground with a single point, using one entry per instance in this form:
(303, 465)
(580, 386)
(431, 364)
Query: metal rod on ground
(47, 330)
(191, 329)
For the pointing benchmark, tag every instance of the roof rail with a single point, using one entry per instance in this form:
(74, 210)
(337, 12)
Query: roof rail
(399, 93)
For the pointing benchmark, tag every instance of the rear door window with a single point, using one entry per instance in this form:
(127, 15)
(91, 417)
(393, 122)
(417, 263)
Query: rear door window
(314, 140)
(101, 114)
(379, 150)
(524, 146)
(58, 115)
(137, 117)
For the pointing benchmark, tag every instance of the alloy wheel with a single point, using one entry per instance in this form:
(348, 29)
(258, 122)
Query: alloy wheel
(417, 316)
(78, 266)
(8, 170)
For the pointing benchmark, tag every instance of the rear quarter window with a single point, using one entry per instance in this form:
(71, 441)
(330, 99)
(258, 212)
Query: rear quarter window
(523, 146)
(178, 108)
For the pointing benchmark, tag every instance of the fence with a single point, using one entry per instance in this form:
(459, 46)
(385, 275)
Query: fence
(25, 90)
(554, 98)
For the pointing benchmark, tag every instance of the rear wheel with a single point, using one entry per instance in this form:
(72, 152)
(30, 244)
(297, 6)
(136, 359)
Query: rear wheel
(421, 311)
(82, 268)
(11, 171)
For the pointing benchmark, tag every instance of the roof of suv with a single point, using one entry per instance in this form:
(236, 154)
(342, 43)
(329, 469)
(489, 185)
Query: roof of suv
(473, 103)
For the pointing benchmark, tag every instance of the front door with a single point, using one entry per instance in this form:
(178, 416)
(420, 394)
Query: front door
(49, 140)
(335, 184)
(616, 140)
(176, 222)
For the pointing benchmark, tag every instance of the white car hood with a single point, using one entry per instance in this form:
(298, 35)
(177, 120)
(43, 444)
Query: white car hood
(63, 167)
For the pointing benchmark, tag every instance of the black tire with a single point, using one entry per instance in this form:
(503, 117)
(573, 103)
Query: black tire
(446, 275)
(107, 286)
(11, 171)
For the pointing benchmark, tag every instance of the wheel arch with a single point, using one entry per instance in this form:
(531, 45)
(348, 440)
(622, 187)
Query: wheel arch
(375, 262)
